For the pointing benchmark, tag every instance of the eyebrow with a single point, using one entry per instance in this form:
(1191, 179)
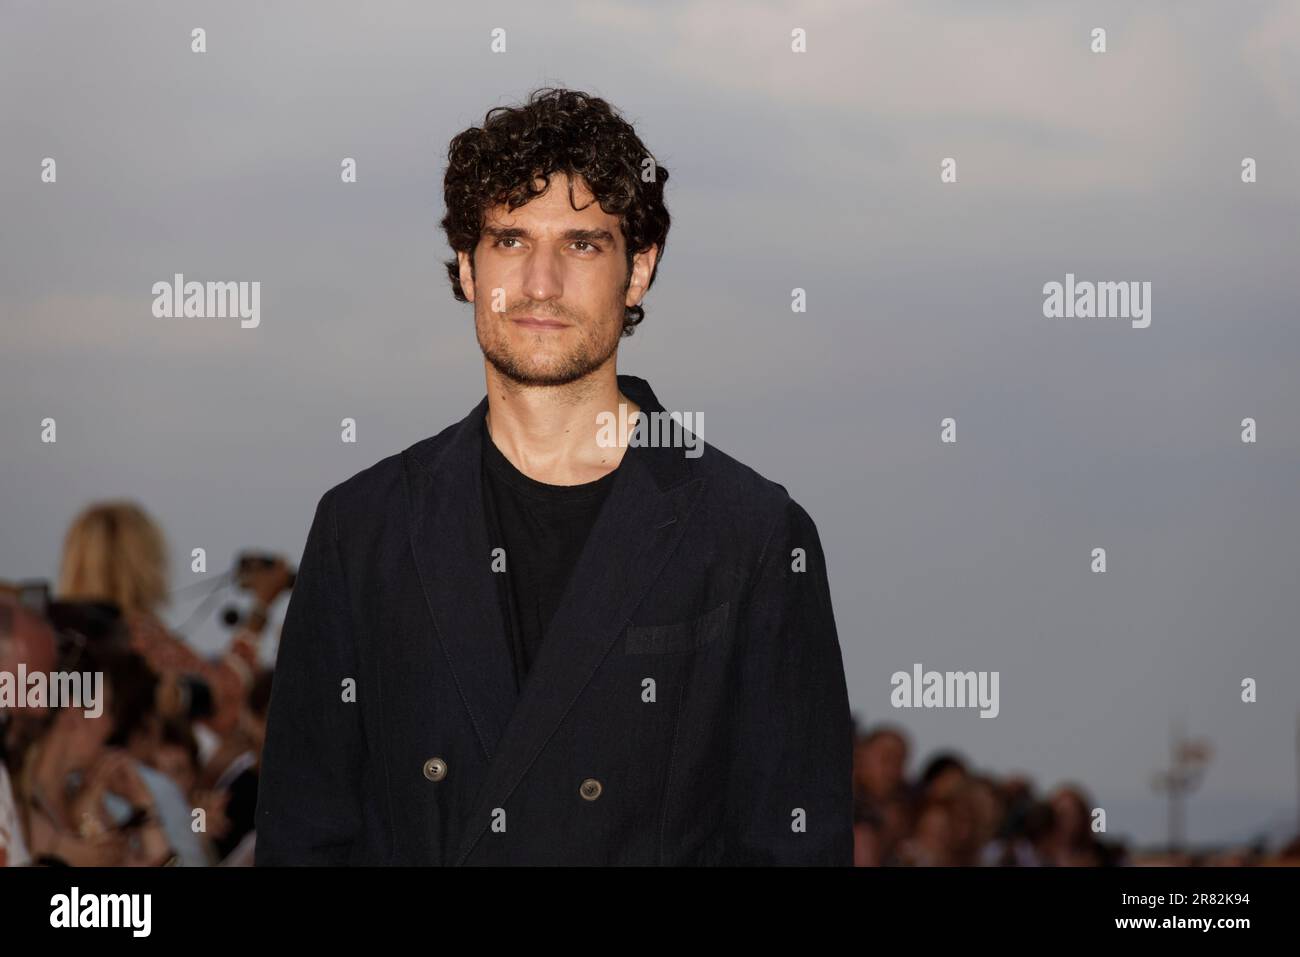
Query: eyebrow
(572, 235)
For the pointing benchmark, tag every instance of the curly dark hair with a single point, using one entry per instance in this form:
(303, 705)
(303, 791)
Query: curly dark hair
(556, 131)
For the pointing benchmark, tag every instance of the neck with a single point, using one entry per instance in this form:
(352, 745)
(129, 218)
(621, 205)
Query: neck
(50, 769)
(550, 432)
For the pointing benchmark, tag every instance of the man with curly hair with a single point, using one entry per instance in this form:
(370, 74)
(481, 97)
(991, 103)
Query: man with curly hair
(521, 642)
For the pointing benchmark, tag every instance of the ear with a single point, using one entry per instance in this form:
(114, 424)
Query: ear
(643, 267)
(466, 275)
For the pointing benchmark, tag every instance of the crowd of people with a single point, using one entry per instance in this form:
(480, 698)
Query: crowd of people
(164, 770)
(952, 815)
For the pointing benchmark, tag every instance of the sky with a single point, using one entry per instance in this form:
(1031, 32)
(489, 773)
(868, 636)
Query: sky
(817, 170)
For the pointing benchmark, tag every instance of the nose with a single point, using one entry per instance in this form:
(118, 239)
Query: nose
(542, 276)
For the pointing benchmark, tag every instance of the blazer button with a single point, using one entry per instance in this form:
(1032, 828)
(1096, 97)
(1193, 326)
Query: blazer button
(435, 769)
(590, 789)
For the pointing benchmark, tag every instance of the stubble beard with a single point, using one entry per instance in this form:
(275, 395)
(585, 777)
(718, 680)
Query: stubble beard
(594, 349)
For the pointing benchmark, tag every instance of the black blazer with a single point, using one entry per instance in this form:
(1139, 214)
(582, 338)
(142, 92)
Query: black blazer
(688, 705)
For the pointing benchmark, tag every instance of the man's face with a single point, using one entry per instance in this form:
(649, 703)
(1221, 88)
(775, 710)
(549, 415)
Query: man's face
(882, 765)
(550, 284)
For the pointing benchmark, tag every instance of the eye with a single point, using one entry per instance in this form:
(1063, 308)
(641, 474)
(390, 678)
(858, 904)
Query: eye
(583, 242)
(505, 239)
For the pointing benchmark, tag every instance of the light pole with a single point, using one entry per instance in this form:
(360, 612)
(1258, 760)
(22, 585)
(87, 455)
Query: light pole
(1188, 759)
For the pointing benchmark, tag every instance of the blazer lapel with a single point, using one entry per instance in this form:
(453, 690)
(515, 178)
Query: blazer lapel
(449, 542)
(634, 534)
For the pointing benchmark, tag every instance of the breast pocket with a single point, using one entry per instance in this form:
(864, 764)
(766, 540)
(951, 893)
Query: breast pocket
(679, 636)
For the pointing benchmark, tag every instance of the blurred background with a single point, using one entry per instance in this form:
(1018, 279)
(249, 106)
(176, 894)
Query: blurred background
(815, 170)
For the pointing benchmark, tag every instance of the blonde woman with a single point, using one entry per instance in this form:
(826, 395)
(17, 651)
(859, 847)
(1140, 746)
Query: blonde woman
(113, 551)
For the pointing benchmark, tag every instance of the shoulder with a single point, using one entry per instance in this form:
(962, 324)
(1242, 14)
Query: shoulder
(379, 487)
(748, 498)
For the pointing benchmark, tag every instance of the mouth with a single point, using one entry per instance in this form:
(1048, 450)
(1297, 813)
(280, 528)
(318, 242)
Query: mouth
(534, 322)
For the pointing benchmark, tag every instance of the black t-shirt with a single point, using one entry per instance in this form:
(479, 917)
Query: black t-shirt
(542, 529)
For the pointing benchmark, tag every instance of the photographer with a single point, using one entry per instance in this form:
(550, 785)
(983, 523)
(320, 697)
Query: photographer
(71, 781)
(26, 641)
